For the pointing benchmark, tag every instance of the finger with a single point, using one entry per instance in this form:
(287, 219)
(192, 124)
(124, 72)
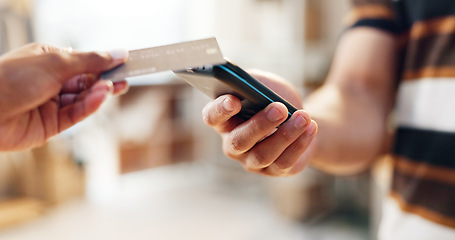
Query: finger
(82, 108)
(270, 149)
(287, 161)
(74, 90)
(217, 112)
(303, 161)
(83, 82)
(120, 87)
(68, 99)
(245, 136)
(79, 83)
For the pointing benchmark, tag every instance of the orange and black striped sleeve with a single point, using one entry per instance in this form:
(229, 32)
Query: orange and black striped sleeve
(377, 14)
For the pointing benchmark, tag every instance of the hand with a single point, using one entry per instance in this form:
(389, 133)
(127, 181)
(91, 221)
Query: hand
(264, 144)
(45, 90)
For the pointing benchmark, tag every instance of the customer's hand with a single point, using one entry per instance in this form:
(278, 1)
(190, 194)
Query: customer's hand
(45, 90)
(264, 144)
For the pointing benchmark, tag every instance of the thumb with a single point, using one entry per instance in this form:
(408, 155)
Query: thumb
(97, 62)
(72, 63)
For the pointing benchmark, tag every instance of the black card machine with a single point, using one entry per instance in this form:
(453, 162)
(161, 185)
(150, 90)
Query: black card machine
(228, 78)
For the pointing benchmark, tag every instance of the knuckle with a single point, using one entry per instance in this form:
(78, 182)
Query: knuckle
(45, 48)
(259, 160)
(56, 57)
(236, 142)
(279, 169)
(36, 45)
(301, 142)
(94, 57)
(227, 150)
(287, 136)
(256, 126)
(284, 166)
(250, 169)
(230, 151)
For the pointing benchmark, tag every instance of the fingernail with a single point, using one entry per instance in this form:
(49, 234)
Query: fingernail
(111, 87)
(300, 122)
(123, 90)
(273, 114)
(311, 129)
(228, 104)
(119, 54)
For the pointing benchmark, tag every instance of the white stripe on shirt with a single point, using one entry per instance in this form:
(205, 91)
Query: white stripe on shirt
(399, 225)
(427, 104)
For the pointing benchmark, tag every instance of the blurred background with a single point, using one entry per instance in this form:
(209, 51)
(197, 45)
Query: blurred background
(145, 166)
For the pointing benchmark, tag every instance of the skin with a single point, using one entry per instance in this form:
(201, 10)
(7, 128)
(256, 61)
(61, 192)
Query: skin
(45, 90)
(342, 127)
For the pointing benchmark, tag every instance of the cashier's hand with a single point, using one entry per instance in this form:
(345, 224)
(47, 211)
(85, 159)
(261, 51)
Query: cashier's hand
(260, 144)
(45, 90)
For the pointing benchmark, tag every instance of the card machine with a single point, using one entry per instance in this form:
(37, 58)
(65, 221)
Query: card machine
(228, 78)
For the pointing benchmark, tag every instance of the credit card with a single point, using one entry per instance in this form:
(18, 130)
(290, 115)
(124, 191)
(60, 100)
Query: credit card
(173, 57)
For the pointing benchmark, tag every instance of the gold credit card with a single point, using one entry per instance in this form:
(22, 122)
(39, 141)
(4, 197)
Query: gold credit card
(173, 57)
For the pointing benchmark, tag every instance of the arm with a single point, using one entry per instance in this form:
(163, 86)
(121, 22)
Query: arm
(353, 105)
(351, 109)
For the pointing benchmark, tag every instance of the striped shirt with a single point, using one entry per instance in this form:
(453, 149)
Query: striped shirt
(421, 204)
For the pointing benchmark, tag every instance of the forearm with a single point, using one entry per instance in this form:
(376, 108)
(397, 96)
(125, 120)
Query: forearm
(353, 105)
(348, 138)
